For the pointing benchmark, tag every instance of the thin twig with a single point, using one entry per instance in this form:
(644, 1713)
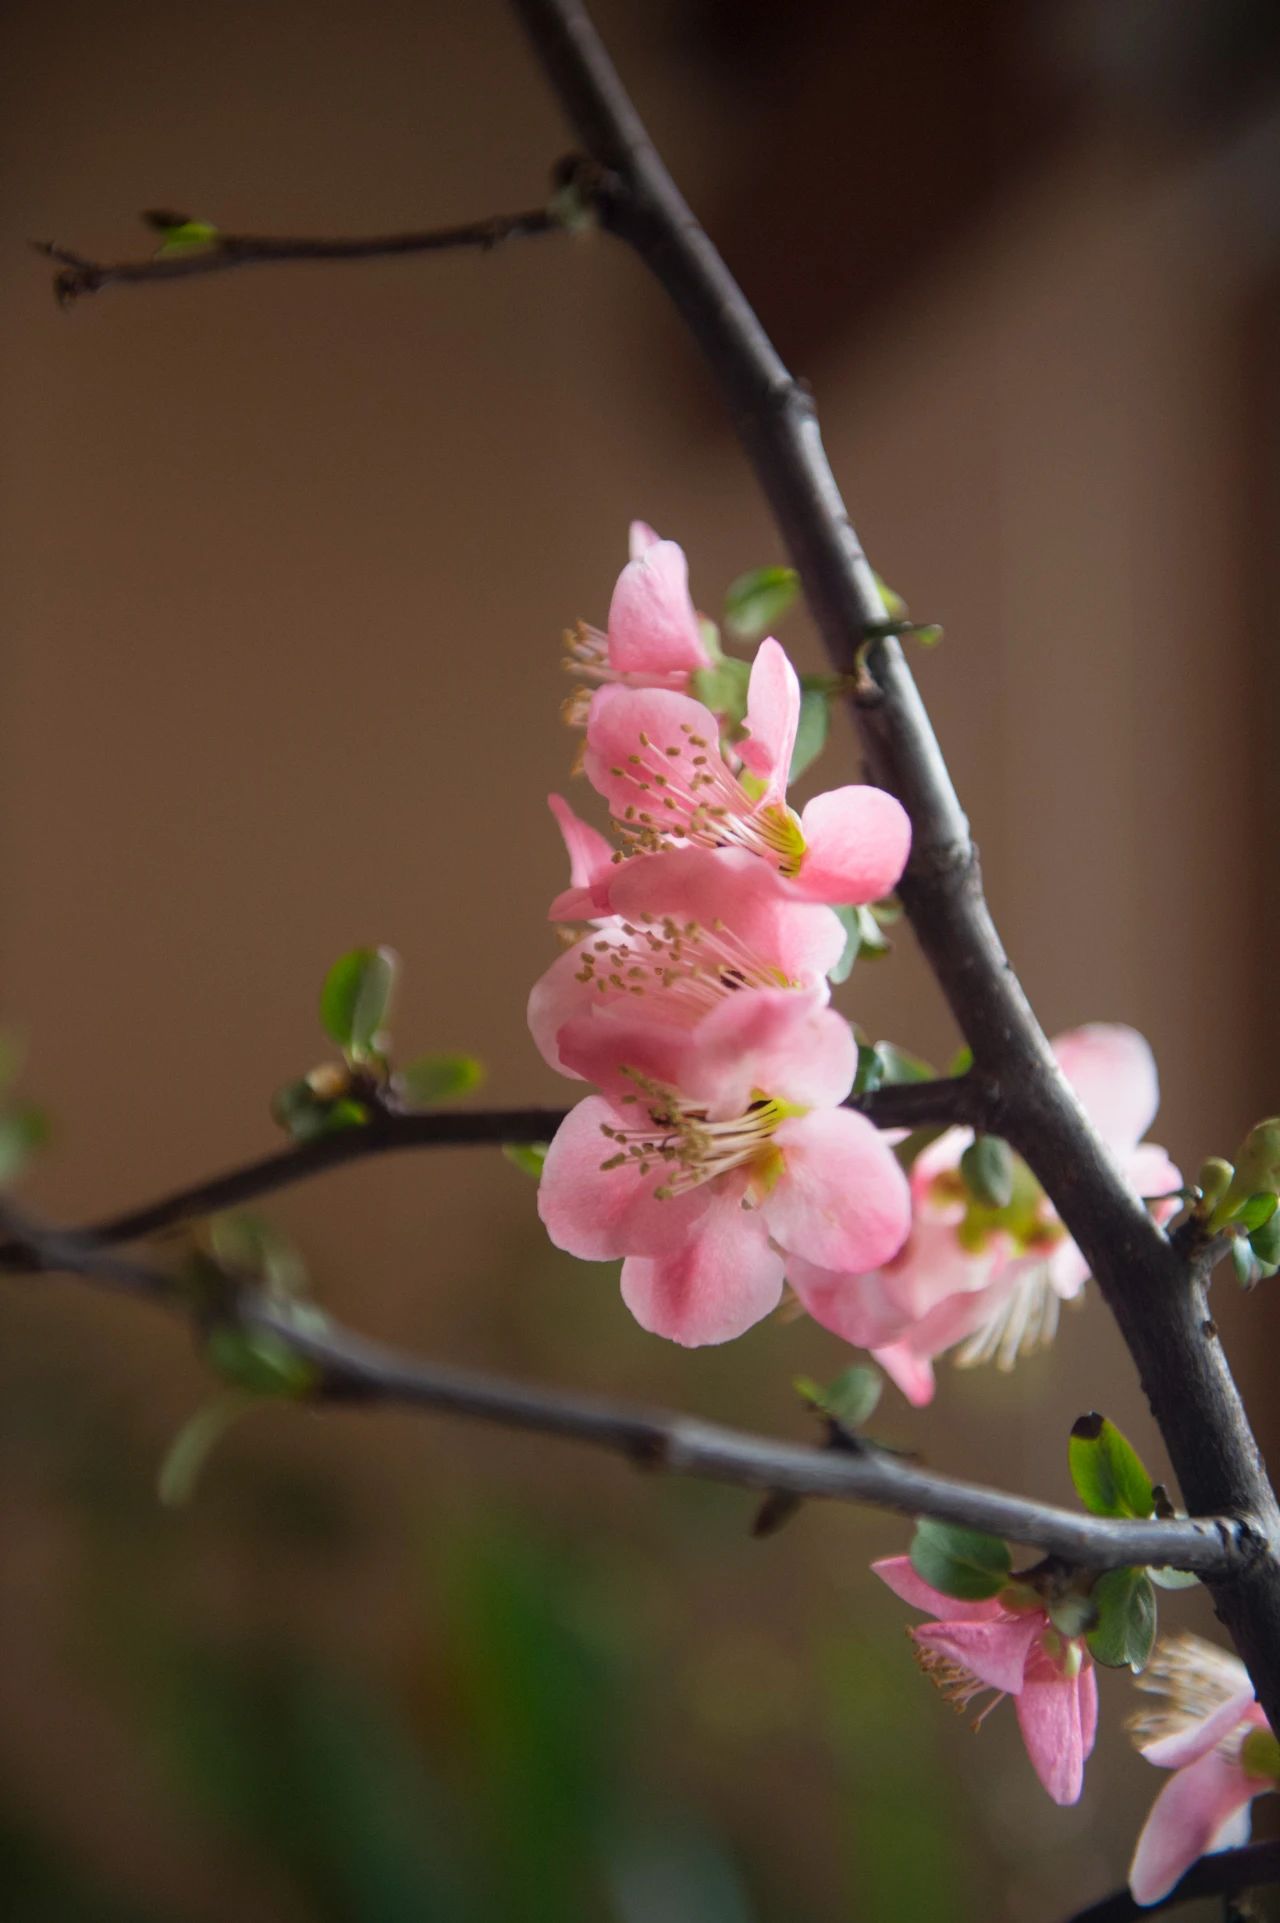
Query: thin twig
(1156, 1296)
(78, 276)
(1226, 1873)
(961, 1099)
(352, 1369)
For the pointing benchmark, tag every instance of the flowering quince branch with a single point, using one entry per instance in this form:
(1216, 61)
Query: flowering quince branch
(346, 1368)
(957, 1099)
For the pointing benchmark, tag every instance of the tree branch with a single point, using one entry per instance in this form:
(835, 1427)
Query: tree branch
(1226, 1873)
(352, 1369)
(78, 276)
(955, 1100)
(1157, 1297)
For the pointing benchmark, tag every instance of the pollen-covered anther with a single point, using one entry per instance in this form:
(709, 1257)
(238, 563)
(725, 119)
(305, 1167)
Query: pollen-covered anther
(956, 1684)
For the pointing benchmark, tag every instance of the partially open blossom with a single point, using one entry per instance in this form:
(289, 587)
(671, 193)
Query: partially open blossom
(1215, 1738)
(653, 639)
(687, 932)
(991, 1650)
(713, 1154)
(988, 1281)
(656, 758)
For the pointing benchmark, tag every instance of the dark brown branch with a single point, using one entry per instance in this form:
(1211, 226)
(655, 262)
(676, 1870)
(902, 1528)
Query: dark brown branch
(77, 276)
(354, 1370)
(1228, 1873)
(959, 1099)
(1156, 1296)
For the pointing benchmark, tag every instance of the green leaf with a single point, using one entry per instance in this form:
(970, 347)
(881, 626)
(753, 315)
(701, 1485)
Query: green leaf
(181, 236)
(756, 602)
(1242, 1261)
(811, 734)
(987, 1169)
(1265, 1241)
(304, 1114)
(895, 606)
(850, 1400)
(1125, 1629)
(260, 1361)
(897, 1066)
(960, 1562)
(1107, 1471)
(22, 1131)
(869, 1075)
(961, 1062)
(252, 1249)
(191, 1448)
(928, 634)
(355, 998)
(844, 967)
(528, 1156)
(723, 688)
(439, 1078)
(1173, 1578)
(1257, 1211)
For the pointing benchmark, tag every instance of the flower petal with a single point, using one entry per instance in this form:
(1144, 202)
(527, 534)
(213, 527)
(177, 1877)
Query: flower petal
(1113, 1071)
(842, 1199)
(995, 1651)
(857, 1308)
(912, 1373)
(900, 1575)
(600, 1213)
(1187, 1745)
(773, 716)
(721, 1280)
(601, 1045)
(653, 629)
(730, 885)
(781, 1042)
(1052, 1718)
(857, 840)
(1187, 1819)
(640, 537)
(638, 774)
(590, 853)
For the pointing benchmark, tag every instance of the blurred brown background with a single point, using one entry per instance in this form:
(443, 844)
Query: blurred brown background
(284, 559)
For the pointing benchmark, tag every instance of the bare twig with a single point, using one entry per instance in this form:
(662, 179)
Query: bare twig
(1226, 1873)
(78, 276)
(352, 1369)
(961, 1099)
(1156, 1296)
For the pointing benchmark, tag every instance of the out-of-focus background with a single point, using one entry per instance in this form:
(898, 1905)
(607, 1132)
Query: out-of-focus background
(284, 561)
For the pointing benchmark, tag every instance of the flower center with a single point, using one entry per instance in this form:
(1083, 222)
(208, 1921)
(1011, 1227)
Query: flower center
(692, 966)
(691, 1149)
(686, 792)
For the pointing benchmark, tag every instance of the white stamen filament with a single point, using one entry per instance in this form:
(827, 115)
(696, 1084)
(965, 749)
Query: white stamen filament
(681, 1139)
(688, 794)
(692, 965)
(1024, 1320)
(1193, 1678)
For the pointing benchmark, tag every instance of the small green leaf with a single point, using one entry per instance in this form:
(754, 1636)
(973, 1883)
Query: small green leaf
(895, 606)
(304, 1114)
(723, 688)
(1265, 1241)
(195, 1441)
(959, 1562)
(528, 1156)
(987, 1169)
(249, 1248)
(811, 733)
(355, 998)
(1125, 1629)
(260, 1361)
(898, 1066)
(1173, 1578)
(1257, 1211)
(928, 634)
(22, 1131)
(1242, 1261)
(1107, 1471)
(756, 602)
(961, 1062)
(870, 1074)
(850, 1400)
(852, 943)
(183, 236)
(439, 1078)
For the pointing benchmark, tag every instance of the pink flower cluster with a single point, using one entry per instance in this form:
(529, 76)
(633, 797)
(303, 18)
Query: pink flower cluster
(717, 1154)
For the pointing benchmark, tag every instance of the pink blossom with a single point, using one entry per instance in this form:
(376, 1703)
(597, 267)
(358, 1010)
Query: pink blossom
(1217, 1741)
(686, 932)
(654, 639)
(713, 1154)
(988, 1280)
(656, 758)
(976, 1648)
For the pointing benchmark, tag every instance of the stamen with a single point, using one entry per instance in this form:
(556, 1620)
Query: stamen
(1194, 1678)
(715, 810)
(956, 1684)
(1024, 1320)
(692, 1148)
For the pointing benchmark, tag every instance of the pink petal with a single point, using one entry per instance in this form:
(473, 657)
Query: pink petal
(912, 1373)
(780, 1041)
(590, 853)
(995, 1651)
(899, 1573)
(1088, 1698)
(1188, 1745)
(1187, 1819)
(857, 1308)
(556, 998)
(773, 715)
(1149, 1170)
(600, 1044)
(1052, 1719)
(641, 537)
(632, 775)
(842, 1199)
(1113, 1071)
(857, 840)
(730, 885)
(600, 1213)
(720, 1281)
(653, 629)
